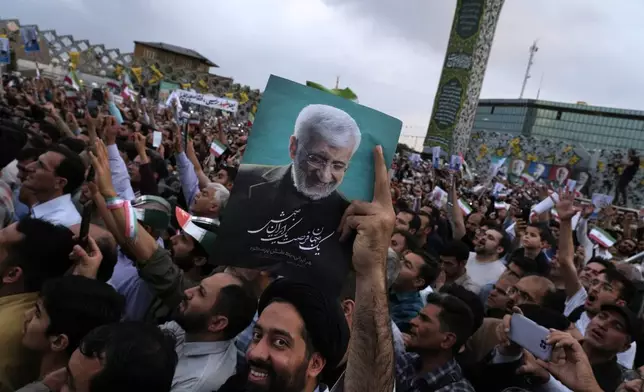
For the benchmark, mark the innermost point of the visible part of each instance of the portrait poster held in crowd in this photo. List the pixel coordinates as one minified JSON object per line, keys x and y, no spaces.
{"x":309,"y":155}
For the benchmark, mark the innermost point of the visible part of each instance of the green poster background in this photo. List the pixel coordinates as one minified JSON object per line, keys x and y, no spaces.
{"x":455,"y":76}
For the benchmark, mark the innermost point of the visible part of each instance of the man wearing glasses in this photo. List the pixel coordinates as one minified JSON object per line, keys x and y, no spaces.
{"x":289,"y":214}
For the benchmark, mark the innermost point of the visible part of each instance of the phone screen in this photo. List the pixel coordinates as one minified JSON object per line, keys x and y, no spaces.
{"x":92,"y":107}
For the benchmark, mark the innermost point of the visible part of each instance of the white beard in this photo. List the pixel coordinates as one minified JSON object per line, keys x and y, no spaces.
{"x":299,"y":180}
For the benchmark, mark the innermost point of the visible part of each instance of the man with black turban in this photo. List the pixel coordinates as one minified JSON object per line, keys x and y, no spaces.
{"x":299,"y":333}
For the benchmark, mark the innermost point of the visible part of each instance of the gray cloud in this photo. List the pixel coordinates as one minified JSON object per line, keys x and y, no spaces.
{"x":390,"y":53}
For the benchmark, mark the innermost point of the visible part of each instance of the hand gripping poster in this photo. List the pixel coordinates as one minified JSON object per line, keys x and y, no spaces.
{"x":309,"y":154}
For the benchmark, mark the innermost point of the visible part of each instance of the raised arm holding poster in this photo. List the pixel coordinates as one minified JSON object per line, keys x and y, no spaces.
{"x":309,"y":154}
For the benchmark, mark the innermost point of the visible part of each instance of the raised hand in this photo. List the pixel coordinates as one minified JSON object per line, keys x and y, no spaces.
{"x":110,"y":130}
{"x":373,"y":222}
{"x":101,"y":164}
{"x":87,"y":262}
{"x":570,"y":364}
{"x":531,"y":367}
{"x":566,"y":205}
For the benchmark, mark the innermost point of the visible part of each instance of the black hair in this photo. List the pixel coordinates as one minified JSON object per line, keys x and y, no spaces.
{"x":554,"y":300}
{"x":50,"y":130}
{"x":429,"y":270}
{"x":42,"y":254}
{"x":71,"y":168}
{"x":455,"y":316}
{"x":135,"y":356}
{"x":528,"y":266}
{"x":599,"y":260}
{"x":110,"y":257}
{"x":414,"y":223}
{"x":231,"y":172}
{"x":29,"y":153}
{"x":158,"y":165}
{"x":75,"y":145}
{"x":628,"y":291}
{"x":457,"y":249}
{"x":472,"y":300}
{"x":76,"y":305}
{"x":238,"y":305}
{"x":410,"y":240}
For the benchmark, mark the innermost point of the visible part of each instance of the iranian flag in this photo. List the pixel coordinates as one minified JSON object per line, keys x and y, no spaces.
{"x":465,"y":207}
{"x":217,"y":148}
{"x":72,"y":80}
{"x":601,"y":237}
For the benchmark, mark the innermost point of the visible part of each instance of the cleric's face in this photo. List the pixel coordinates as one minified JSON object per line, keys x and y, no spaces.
{"x":562,"y":173}
{"x":583,"y":178}
{"x":318,"y":167}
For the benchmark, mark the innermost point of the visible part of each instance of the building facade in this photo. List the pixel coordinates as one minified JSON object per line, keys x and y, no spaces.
{"x":173,"y":55}
{"x":592,"y":127}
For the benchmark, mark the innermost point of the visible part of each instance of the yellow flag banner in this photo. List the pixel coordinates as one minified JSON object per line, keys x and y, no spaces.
{"x":138,"y":74}
{"x":185,"y":85}
{"x":118,"y":69}
{"x":156,"y":71}
{"x":203,"y":84}
{"x":230,"y":95}
{"x":243,"y":98}
{"x":153,"y":80}
{"x":74,"y":58}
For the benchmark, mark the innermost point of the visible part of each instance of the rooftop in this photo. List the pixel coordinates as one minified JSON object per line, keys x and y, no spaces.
{"x":579,"y":107}
{"x":178,"y":50}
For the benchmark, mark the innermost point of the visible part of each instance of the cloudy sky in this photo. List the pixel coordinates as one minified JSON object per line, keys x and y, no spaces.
{"x":389,"y":52}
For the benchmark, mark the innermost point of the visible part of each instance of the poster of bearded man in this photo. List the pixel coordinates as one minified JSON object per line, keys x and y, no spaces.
{"x":309,"y":154}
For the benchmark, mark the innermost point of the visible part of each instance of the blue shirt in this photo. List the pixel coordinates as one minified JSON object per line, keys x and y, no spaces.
{"x":20,"y":209}
{"x":403,"y":307}
{"x":127,"y":282}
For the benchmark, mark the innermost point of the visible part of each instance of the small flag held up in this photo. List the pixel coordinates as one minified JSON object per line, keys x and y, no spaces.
{"x":217,"y":148}
{"x":601,"y":237}
{"x":465,"y":207}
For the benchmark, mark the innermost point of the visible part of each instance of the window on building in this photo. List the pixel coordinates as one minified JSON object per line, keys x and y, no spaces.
{"x":149,"y":54}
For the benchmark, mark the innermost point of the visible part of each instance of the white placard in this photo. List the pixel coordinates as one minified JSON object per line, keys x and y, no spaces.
{"x":207,"y":100}
{"x":157,"y":137}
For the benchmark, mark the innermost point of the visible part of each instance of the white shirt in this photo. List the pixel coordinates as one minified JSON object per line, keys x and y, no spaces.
{"x":59,"y":211}
{"x":625,"y":358}
{"x":203,"y":366}
{"x":424,"y":292}
{"x":484,"y":273}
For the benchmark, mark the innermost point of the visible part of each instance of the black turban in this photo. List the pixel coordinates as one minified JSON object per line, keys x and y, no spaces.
{"x":323,"y":317}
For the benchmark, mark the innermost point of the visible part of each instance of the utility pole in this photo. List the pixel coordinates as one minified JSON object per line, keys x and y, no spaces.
{"x":337,"y":82}
{"x":533,"y":49}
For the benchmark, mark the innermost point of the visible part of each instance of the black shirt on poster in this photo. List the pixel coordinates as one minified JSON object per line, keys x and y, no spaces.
{"x":268,"y":224}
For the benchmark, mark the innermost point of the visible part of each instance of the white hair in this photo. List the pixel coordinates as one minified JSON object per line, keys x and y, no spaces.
{"x":333,"y":125}
{"x":222,"y":194}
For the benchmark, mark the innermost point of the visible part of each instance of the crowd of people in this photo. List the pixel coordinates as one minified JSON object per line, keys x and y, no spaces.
{"x":140,"y":304}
